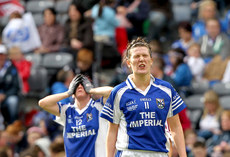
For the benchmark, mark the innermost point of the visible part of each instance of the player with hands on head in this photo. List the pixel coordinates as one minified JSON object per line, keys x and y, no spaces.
{"x":84,"y":131}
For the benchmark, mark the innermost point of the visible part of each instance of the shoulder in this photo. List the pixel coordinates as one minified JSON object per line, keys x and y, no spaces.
{"x":119,"y":87}
{"x":162,"y":83}
{"x":97,"y":104}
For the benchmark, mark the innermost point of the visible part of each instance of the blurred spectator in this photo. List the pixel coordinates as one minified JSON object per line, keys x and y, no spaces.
{"x":121,"y":17}
{"x":214,"y":42}
{"x":207,"y":10}
{"x":226,"y":23}
{"x":86,"y":4}
{"x":57,"y":149}
{"x":16,"y":136}
{"x":155,"y":46}
{"x":78,"y":30}
{"x":209,"y":121}
{"x":105,"y":21}
{"x":45,"y":121}
{"x":22,"y":32}
{"x":185,"y":33}
{"x":44,"y":144}
{"x":23,"y":66}
{"x":121,"y":72}
{"x":11,"y":137}
{"x":9,"y":87}
{"x":220,"y":143}
{"x":136,"y":11}
{"x":190,"y":138}
{"x":199,"y":150}
{"x":33,"y":151}
{"x":84,"y":63}
{"x":215,"y":69}
{"x":181,"y":73}
{"x":5,"y":152}
{"x":51,"y":33}
{"x":159,"y":15}
{"x":195,"y":62}
{"x":157,"y":71}
{"x":64,"y":77}
{"x":34,"y":133}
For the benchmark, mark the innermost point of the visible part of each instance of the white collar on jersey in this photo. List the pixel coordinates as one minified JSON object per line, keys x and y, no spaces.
{"x":86,"y":106}
{"x":131,"y":84}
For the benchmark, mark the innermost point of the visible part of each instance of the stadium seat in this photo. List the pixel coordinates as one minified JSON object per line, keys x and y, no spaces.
{"x":4,"y":20}
{"x":181,"y":13}
{"x":181,"y":1}
{"x":38,"y":82}
{"x":38,"y":19}
{"x":62,"y":6}
{"x":38,"y":6}
{"x":23,"y":3}
{"x":194,"y":102}
{"x":199,"y":87}
{"x":194,"y":116}
{"x":222,"y":88}
{"x":194,"y":107}
{"x":225,"y":102}
{"x":57,"y":60}
{"x":62,"y":18}
{"x":35,"y":59}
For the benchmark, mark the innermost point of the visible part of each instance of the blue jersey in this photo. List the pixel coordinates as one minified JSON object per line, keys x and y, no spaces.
{"x":141,"y":115}
{"x":84,"y":131}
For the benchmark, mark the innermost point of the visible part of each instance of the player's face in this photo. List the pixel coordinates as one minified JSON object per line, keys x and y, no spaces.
{"x":140,"y":60}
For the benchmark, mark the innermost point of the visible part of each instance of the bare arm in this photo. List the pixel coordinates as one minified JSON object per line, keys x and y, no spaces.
{"x":177,"y":134}
{"x":49,"y":103}
{"x":111,"y":139}
{"x":102,"y":91}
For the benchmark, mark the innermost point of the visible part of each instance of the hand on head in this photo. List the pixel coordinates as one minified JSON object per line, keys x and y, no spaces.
{"x":79,"y":79}
{"x":86,"y":84}
{"x":74,"y":84}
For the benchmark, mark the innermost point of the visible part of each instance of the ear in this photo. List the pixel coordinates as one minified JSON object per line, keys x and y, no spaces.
{"x":128,"y":63}
{"x":152,"y":61}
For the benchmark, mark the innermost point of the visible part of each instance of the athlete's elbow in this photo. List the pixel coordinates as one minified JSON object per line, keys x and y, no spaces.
{"x":41,"y":103}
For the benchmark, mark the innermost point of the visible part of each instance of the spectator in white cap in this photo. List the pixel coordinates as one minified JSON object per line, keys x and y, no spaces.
{"x":9,"y":87}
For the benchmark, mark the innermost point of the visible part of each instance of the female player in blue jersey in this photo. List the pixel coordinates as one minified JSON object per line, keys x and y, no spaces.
{"x":84,"y":131}
{"x":138,"y":108}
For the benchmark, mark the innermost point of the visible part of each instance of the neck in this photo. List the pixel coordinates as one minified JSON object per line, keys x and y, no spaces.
{"x":159,"y":75}
{"x":141,"y":81}
{"x":81,"y":103}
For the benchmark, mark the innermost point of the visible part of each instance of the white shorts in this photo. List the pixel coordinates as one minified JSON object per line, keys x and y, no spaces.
{"x":132,"y":153}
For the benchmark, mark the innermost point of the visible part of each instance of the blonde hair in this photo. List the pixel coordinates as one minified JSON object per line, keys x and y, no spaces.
{"x":139,"y":42}
{"x":211,"y":97}
{"x":194,"y":45}
{"x":204,"y":4}
{"x":226,"y":113}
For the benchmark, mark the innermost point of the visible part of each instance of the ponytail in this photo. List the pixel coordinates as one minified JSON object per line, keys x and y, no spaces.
{"x":101,"y":6}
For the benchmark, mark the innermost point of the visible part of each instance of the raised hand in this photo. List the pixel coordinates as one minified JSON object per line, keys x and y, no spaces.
{"x":74,"y":84}
{"x":86,"y":84}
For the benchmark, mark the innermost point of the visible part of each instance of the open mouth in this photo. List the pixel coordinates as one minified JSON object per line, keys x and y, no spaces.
{"x":142,"y":65}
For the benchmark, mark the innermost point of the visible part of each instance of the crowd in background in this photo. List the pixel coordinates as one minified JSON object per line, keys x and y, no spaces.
{"x":187,"y":53}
